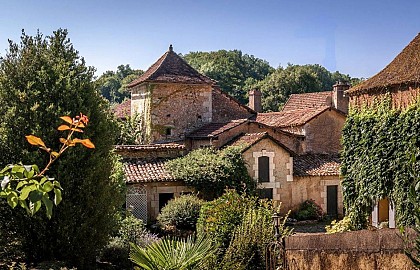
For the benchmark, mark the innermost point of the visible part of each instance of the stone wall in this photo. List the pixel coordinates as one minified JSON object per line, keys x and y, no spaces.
{"x":225,"y":108}
{"x":363,"y":250}
{"x":323,"y":133}
{"x":401,"y":97}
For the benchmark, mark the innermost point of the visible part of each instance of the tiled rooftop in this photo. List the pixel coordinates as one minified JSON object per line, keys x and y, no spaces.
{"x":316,"y":165}
{"x":290,"y":118}
{"x":123,"y":110}
{"x":308,"y":100}
{"x":248,"y":139}
{"x":145,"y":147}
{"x":142,"y":171}
{"x":171,"y":68}
{"x":214,"y":129}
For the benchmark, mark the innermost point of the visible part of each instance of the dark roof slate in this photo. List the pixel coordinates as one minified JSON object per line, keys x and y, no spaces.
{"x":171,"y":68}
{"x":316,"y":165}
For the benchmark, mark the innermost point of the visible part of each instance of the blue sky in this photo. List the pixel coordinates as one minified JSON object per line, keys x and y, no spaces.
{"x":355,"y":37}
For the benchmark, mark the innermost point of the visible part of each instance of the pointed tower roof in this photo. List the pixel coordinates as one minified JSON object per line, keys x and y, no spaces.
{"x":404,"y":69}
{"x":171,"y":68}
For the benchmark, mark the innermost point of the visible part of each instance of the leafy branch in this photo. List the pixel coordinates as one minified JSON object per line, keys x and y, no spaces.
{"x":27,"y":186}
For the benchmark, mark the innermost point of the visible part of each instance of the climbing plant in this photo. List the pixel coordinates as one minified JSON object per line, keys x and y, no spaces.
{"x":378,"y":143}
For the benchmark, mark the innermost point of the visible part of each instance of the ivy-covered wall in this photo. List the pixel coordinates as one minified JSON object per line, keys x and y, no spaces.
{"x":379,"y":144}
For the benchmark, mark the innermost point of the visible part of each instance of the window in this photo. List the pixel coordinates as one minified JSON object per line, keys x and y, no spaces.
{"x":265,"y":193}
{"x":164,"y":198}
{"x":263,"y":169}
{"x":168,"y":131}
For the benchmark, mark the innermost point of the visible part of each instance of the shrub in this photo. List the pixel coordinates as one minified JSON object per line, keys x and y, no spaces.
{"x":211,"y":171}
{"x":132,"y":230}
{"x":247,"y":248}
{"x":343,"y":225}
{"x":181,"y":213}
{"x":173,"y":253}
{"x":309,"y":210}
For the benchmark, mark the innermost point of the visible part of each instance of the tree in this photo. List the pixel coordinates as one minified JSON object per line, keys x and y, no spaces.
{"x":113,"y":85}
{"x":277,"y":87}
{"x":233,"y":70}
{"x":210,"y":171}
{"x":42,"y":78}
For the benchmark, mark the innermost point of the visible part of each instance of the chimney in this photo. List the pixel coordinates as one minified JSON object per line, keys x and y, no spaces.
{"x":339,"y":100}
{"x":255,"y":100}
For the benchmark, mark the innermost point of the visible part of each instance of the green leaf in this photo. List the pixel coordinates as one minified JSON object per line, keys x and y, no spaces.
{"x":12,"y":199}
{"x":34,"y":207}
{"x":35,"y":196}
{"x":48,"y":186}
{"x":48,"y":205}
{"x":21,"y":184}
{"x":57,"y":184}
{"x":18,"y":169}
{"x":24,"y":205}
{"x":24,"y":193}
{"x":57,"y":197}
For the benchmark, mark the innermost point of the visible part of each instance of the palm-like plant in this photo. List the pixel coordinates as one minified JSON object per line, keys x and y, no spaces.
{"x":173,"y":253}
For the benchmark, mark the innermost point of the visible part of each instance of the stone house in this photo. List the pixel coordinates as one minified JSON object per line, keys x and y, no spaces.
{"x":399,"y":80}
{"x":292,"y":154}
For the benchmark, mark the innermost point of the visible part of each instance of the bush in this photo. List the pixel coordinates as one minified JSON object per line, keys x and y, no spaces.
{"x":343,"y":225}
{"x":211,"y":171}
{"x":181,"y":213}
{"x":308,"y":210}
{"x":247,"y":249}
{"x":132,"y":230}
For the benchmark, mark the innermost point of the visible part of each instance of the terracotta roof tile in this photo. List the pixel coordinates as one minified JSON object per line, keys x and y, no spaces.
{"x":308,"y":100}
{"x":248,"y":139}
{"x":171,"y":68}
{"x":290,"y":118}
{"x":404,"y":69}
{"x":123,"y":110}
{"x":214,"y":129}
{"x":142,"y":171}
{"x":316,"y":165}
{"x":145,"y":147}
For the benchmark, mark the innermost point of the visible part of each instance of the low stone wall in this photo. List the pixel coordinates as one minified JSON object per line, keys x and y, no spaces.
{"x":364,"y":250}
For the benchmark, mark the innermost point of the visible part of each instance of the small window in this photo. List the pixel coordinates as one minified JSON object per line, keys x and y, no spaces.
{"x":265,"y":193}
{"x":168,"y":131}
{"x":164,"y":198}
{"x":263,"y":169}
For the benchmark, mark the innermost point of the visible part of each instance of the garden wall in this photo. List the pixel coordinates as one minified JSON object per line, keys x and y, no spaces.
{"x":373,"y":250}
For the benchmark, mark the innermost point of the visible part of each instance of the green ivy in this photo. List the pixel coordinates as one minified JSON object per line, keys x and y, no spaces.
{"x":378,"y":143}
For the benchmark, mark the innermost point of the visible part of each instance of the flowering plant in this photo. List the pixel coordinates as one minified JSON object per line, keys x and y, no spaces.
{"x":29,"y":187}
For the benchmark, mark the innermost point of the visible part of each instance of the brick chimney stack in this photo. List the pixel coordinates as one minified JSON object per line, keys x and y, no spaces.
{"x":339,"y":100}
{"x":255,"y":100}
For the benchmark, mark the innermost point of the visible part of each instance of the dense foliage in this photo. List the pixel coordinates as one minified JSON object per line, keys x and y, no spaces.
{"x":131,"y":230}
{"x":131,"y":130}
{"x":241,"y":226}
{"x":180,"y":214}
{"x":113,"y":84}
{"x":173,"y":253}
{"x":210,"y":171}
{"x":378,"y":145}
{"x":296,"y":79}
{"x":308,"y":210}
{"x":235,"y":72}
{"x":42,"y":78}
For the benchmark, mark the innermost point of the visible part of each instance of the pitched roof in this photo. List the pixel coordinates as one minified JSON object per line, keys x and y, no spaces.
{"x":316,"y":165}
{"x":142,"y":171}
{"x":123,"y":109}
{"x":308,"y":100}
{"x":171,"y":68}
{"x":290,"y":118}
{"x":145,"y":147}
{"x":404,"y":69}
{"x":249,"y":139}
{"x":214,"y":129}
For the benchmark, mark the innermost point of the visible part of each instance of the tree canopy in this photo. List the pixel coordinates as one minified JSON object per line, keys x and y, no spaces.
{"x":277,"y":87}
{"x":234,"y":71}
{"x":41,"y":79}
{"x":113,"y":84}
